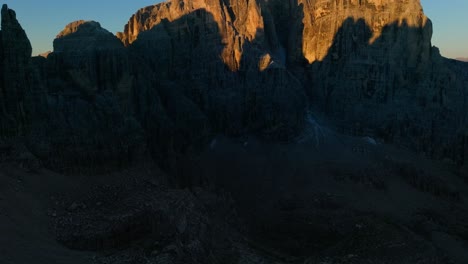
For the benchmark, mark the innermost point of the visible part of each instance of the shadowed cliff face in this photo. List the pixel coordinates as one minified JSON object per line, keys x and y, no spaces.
{"x":106,"y":103}
{"x":189,"y":52}
{"x":395,"y":87}
{"x":15,"y":74}
{"x":369,"y":65}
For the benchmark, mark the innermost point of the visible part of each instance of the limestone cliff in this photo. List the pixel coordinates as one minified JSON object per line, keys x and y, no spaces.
{"x":367,"y":64}
{"x":219,"y":53}
{"x":15,"y":74}
{"x":105,"y":106}
{"x":304,"y":29}
{"x":233,"y":22}
{"x":323,"y":20}
{"x":379,"y":75}
{"x":185,"y":69}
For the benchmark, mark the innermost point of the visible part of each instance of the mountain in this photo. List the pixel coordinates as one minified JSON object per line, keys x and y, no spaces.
{"x":367,"y":65}
{"x":15,"y":80}
{"x":239,"y":131}
{"x":255,"y":67}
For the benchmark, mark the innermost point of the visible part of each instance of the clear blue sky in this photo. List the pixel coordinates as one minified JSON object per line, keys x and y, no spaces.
{"x":43,"y":19}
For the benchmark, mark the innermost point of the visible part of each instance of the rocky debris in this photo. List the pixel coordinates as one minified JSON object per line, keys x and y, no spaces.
{"x":308,"y":201}
{"x":14,"y":151}
{"x":6,"y":150}
{"x":152,"y":223}
{"x":428,"y":182}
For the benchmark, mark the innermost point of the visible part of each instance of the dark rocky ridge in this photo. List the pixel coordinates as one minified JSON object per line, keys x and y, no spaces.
{"x":164,"y":94}
{"x":16,"y":74}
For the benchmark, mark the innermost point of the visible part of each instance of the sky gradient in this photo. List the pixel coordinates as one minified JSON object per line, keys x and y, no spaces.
{"x":44,"y":19}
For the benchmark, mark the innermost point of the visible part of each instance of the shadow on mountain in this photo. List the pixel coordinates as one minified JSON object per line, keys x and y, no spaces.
{"x":187,"y":54}
{"x":398,"y":89}
{"x":167,"y":94}
{"x":338,"y":195}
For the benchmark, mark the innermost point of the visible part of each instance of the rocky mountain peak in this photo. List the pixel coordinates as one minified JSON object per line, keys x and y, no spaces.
{"x":10,"y":25}
{"x":85,"y":35}
{"x":82,"y":26}
{"x":297,"y":30}
{"x":231,"y":23}
{"x":323,"y":18}
{"x":15,"y":75}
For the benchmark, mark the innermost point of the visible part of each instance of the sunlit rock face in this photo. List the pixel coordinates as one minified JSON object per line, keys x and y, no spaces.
{"x":322,"y":19}
{"x":223,"y":56}
{"x":367,"y":64}
{"x":294,"y":31}
{"x":232,"y":22}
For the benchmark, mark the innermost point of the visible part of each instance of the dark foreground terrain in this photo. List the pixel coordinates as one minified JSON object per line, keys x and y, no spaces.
{"x":336,"y":200}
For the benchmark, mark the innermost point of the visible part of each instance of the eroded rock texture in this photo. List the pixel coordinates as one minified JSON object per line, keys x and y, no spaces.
{"x":381,"y":76}
{"x":15,"y":74}
{"x":324,"y":19}
{"x":368,"y":65}
{"x":86,"y":119}
{"x":184,"y":70}
{"x":219,"y":54}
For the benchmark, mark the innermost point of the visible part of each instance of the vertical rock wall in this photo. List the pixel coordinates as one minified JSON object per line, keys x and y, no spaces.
{"x":16,"y":76}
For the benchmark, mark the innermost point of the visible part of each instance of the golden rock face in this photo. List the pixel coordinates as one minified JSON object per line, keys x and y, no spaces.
{"x":70,"y":28}
{"x":237,"y":20}
{"x":323,"y":18}
{"x":309,"y":26}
